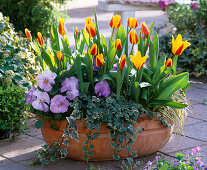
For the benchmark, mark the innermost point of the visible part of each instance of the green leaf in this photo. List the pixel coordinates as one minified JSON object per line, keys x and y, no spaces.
{"x":63,"y":153}
{"x":39,"y":123}
{"x":156,"y":45}
{"x":77,"y":65}
{"x":164,"y":167}
{"x":85,"y":36}
{"x":107,"y":77}
{"x":170,"y":86}
{"x":152,"y":57}
{"x":49,"y":60}
{"x":174,"y":65}
{"x":17,"y":78}
{"x":168,"y":103}
{"x":37,"y":50}
{"x":65,"y":142}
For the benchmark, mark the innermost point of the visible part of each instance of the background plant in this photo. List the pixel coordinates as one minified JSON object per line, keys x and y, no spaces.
{"x":36,"y":15}
{"x":12,"y":116}
{"x":17,"y":59}
{"x":192,"y":24}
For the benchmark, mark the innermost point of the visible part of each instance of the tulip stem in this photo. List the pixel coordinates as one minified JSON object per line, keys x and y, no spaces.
{"x":131,"y":52}
{"x":138,"y":75}
{"x":112,"y":33}
{"x":129,"y":32}
{"x":114,"y":58}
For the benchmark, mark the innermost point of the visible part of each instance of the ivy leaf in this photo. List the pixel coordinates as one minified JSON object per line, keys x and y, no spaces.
{"x":65,"y":142}
{"x":39,"y":123}
{"x":66,"y":132}
{"x":72,"y":123}
{"x":95,"y":135}
{"x":63,"y":153}
{"x":74,"y":135}
{"x":17,"y":78}
{"x":134,"y":154}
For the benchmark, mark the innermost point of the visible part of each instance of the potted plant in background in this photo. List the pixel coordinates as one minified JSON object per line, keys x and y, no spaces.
{"x":104,"y":98}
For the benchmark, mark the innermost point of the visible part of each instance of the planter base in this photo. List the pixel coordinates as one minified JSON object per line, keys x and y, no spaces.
{"x":153,"y":138}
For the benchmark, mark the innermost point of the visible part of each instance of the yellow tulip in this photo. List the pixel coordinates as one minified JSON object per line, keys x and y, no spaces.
{"x":61,"y":27}
{"x":28,"y":34}
{"x":132,"y":22}
{"x":178,"y":46}
{"x":145,"y":30}
{"x":90,"y":27}
{"x":99,"y":60}
{"x":115,"y":21}
{"x":40,"y":39}
{"x":59,"y":56}
{"x":138,"y":61}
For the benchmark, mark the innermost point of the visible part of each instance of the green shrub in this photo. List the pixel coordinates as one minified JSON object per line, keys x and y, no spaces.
{"x":12,"y":104}
{"x":192,"y":24}
{"x":17,"y":61}
{"x":36,"y":15}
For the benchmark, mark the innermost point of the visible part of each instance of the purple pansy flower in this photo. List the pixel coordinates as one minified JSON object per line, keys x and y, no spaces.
{"x":29,"y":95}
{"x":68,"y":66}
{"x":198,"y":148}
{"x":45,"y":80}
{"x":149,"y":164}
{"x":40,"y":102}
{"x":205,"y":168}
{"x":71,"y":86}
{"x":175,"y":163}
{"x":157,"y":158}
{"x":59,"y":104}
{"x":114,"y":68}
{"x":194,"y":6}
{"x":102,"y":88}
{"x":199,"y":163}
{"x":95,"y":68}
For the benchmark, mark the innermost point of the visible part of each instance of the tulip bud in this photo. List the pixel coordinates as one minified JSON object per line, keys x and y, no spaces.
{"x":145,"y":30}
{"x":133,"y":38}
{"x":168,"y":63}
{"x":76,"y":31}
{"x":61,"y":27}
{"x":93,"y":50}
{"x":132,"y":23}
{"x":122,"y":62}
{"x":90,"y":27}
{"x":27,"y":32}
{"x":118,"y":45}
{"x":99,"y":60}
{"x":115,"y":21}
{"x":59,"y":56}
{"x":40,"y":39}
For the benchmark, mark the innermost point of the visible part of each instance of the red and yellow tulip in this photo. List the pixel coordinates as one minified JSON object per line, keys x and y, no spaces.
{"x":138,"y":61}
{"x":40,"y":39}
{"x":93,"y":50}
{"x":118,"y":45}
{"x":28,"y":34}
{"x":168,"y":63}
{"x":132,"y":22}
{"x":115,"y":21}
{"x":145,"y":30}
{"x":99,"y":60}
{"x":76,"y":31}
{"x":133,"y":38}
{"x":90,"y":27}
{"x":178,"y":46}
{"x":61,"y":27}
{"x":122,"y":62}
{"x":59,"y":56}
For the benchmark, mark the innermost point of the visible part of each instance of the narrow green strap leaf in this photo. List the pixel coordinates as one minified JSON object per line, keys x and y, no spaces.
{"x":152,"y":57}
{"x":174,"y":66}
{"x":168,"y":103}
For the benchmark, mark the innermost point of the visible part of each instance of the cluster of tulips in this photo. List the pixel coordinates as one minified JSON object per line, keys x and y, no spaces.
{"x":111,"y":66}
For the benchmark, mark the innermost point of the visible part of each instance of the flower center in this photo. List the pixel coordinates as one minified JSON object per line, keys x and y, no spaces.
{"x":101,"y":90}
{"x":41,"y":101}
{"x":45,"y":81}
{"x":69,"y":88}
{"x":60,"y":104}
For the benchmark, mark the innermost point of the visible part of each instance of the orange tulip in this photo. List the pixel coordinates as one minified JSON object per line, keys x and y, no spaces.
{"x":61,"y":27}
{"x":118,"y":45}
{"x":90,"y":27}
{"x":59,"y":56}
{"x":133,"y":38}
{"x":93,"y":50}
{"x":168,"y":63}
{"x":27,"y":32}
{"x":122,"y":62}
{"x":76,"y":31}
{"x":99,"y":60}
{"x":145,"y":30}
{"x":132,"y":22}
{"x":40,"y":39}
{"x":138,"y":61}
{"x":178,"y":46}
{"x":115,"y":21}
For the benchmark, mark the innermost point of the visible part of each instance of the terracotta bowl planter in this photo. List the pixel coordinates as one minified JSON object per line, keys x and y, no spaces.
{"x":154,"y":137}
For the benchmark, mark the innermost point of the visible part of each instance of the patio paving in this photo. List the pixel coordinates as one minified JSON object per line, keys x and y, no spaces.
{"x":18,"y":154}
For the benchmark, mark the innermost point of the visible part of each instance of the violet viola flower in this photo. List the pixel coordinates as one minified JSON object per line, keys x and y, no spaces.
{"x":198,"y":149}
{"x":175,"y":163}
{"x":59,"y":104}
{"x":193,"y":151}
{"x":45,"y":80}
{"x":68,"y":66}
{"x":199,"y":164}
{"x":194,"y":6}
{"x":205,"y":168}
{"x":95,"y":68}
{"x":29,"y":95}
{"x":102,"y":88}
{"x":114,"y":68}
{"x":149,"y":164}
{"x":40,"y":102}
{"x":71,"y":86}
{"x":157,"y":158}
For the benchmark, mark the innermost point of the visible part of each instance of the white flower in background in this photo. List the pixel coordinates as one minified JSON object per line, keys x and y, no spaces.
{"x":3,"y":40}
{"x":9,"y":74}
{"x":1,"y":16}
{"x":18,"y":56}
{"x":6,"y":53}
